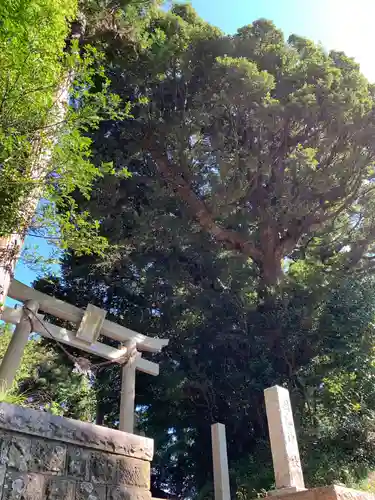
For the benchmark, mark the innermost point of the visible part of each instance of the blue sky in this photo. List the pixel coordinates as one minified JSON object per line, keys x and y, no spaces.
{"x":39,"y":246}
{"x":337,"y":24}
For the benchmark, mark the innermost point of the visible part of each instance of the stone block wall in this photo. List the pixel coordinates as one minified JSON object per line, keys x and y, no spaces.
{"x":45,"y":457}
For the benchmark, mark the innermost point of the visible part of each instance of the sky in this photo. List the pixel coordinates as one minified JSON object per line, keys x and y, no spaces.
{"x":338,"y":24}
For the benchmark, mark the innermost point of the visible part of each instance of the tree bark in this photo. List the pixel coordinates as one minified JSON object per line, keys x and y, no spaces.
{"x":9,"y":253}
{"x":11,"y":245}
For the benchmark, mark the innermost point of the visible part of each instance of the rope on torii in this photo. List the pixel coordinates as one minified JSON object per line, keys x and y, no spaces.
{"x":81,"y":364}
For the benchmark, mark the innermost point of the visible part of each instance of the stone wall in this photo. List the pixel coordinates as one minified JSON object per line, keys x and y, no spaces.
{"x":47,"y":457}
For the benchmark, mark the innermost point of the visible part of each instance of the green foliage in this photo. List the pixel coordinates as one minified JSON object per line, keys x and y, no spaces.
{"x":32,"y":40}
{"x":44,"y":148}
{"x":263,"y":144}
{"x":45,"y":380}
{"x":7,"y":395}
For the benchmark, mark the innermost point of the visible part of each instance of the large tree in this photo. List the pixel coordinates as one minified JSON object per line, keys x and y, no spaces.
{"x":36,"y":78}
{"x":52,"y":90}
{"x":258,"y":142}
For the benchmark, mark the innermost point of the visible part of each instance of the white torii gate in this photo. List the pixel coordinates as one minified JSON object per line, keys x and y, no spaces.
{"x":91,"y":323}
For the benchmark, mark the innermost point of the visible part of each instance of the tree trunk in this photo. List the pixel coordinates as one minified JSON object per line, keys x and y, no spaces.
{"x":271,"y":270}
{"x":100,"y":413}
{"x":270,"y":264}
{"x":11,"y":245}
{"x":9,"y":252}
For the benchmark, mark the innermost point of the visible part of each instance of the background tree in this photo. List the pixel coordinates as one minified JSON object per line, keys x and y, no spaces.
{"x":52,"y":90}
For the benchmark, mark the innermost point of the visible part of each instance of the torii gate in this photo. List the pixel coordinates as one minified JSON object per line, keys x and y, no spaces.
{"x":91,"y":323}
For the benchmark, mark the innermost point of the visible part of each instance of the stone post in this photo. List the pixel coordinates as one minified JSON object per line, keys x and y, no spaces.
{"x":128,"y":390}
{"x":220,"y":462}
{"x":284,"y":446}
{"x":13,"y":356}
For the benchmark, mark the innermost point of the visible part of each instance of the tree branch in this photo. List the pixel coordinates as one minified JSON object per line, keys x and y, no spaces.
{"x":231,"y":239}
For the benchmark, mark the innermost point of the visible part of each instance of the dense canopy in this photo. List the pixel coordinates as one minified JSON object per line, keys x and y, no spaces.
{"x":262,"y":145}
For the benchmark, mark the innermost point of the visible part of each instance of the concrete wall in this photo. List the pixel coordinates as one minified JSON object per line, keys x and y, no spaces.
{"x":47,"y":457}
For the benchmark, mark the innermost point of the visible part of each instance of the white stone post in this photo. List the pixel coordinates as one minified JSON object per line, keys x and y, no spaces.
{"x":220,"y":462}
{"x":13,"y":356}
{"x":284,"y":446}
{"x":128,"y":390}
